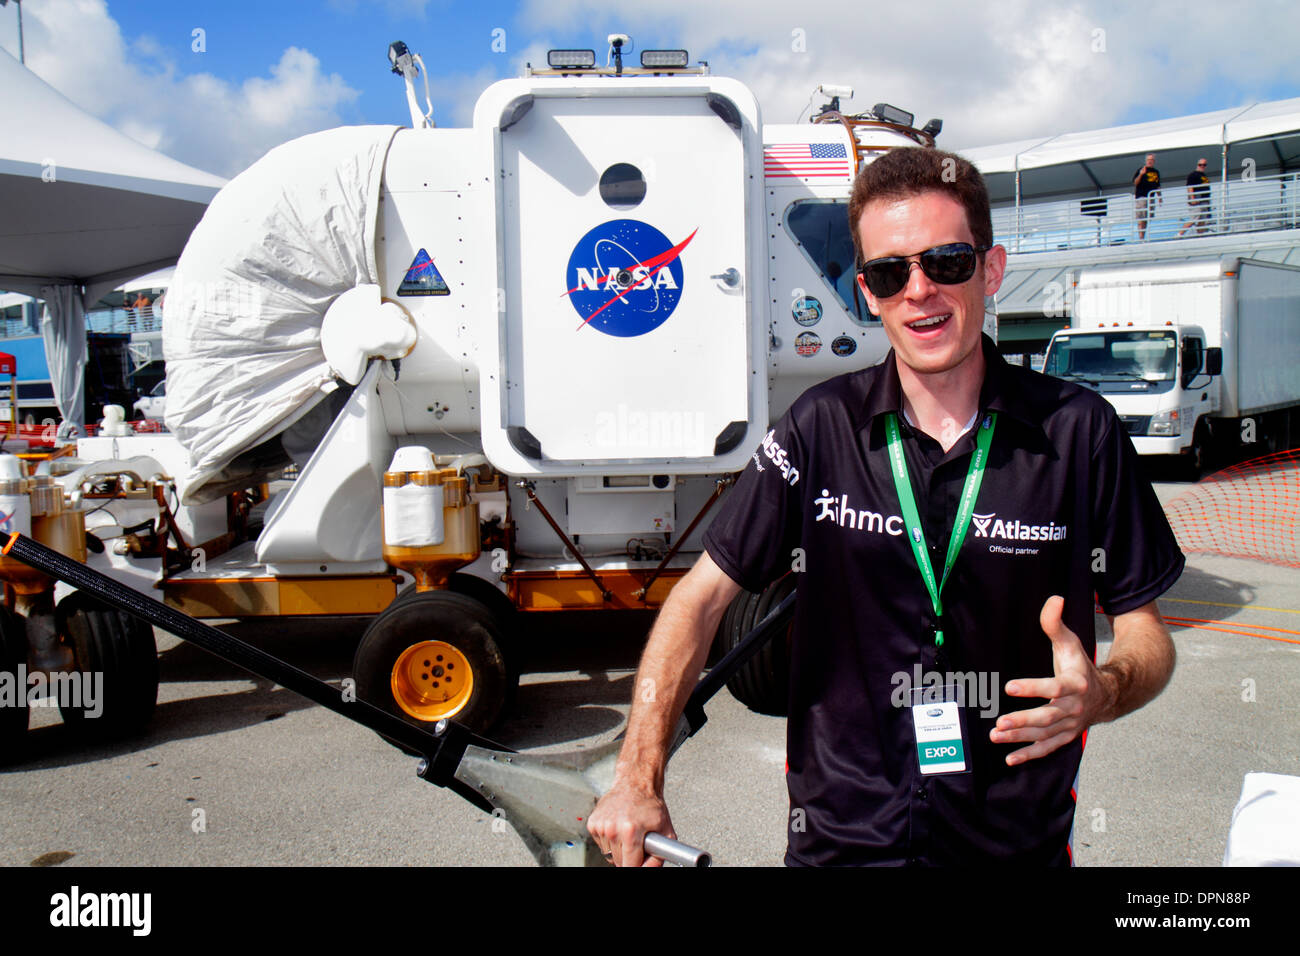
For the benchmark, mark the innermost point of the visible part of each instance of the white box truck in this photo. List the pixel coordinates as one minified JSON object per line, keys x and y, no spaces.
{"x":1191,"y":354}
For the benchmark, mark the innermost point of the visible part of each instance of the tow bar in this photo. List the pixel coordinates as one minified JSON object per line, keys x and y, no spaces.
{"x":547,"y":798}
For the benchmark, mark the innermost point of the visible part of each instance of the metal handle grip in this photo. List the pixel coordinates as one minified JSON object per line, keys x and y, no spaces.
{"x":671,"y":851}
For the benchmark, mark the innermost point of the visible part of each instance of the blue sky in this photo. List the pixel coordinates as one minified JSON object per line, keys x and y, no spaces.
{"x":273,"y":70}
{"x":243,"y":37}
{"x":351,"y":37}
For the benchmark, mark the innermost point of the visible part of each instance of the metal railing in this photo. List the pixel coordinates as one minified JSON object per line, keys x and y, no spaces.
{"x":17,"y":328}
{"x":97,"y":320}
{"x":124,"y":320}
{"x":1256,"y":205}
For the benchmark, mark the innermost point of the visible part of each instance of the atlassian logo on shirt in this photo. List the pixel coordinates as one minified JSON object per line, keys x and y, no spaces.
{"x":777,"y":455}
{"x":837,"y":510}
{"x":1016,"y":530}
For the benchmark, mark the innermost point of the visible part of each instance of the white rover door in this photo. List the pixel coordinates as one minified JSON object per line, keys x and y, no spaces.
{"x":620,"y":344}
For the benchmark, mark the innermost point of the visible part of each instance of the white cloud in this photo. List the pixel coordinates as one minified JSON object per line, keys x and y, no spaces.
{"x":1010,"y":70}
{"x":1025,"y":68}
{"x":461,"y":92}
{"x":77,"y":47}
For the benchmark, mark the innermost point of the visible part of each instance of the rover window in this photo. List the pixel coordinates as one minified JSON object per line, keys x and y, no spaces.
{"x":622,"y":186}
{"x":821,"y":228}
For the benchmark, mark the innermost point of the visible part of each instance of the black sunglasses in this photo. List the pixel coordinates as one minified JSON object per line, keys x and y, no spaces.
{"x":949,"y":264}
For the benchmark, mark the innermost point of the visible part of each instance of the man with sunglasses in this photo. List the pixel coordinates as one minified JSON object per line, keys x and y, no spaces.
{"x":955,"y":517}
{"x":1198,"y":199}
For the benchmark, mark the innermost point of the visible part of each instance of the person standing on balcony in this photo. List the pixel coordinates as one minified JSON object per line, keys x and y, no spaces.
{"x":144,"y":306}
{"x":1198,"y":199}
{"x":1145,"y":182}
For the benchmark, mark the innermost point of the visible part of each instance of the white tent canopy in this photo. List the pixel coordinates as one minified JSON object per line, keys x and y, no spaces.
{"x":1104,"y":160}
{"x":157,"y":279}
{"x":85,"y":207}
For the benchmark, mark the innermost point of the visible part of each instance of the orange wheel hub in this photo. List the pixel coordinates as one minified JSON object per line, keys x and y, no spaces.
{"x":432,"y":680}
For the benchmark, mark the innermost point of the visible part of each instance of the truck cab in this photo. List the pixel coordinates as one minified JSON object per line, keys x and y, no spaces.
{"x":1163,"y":380}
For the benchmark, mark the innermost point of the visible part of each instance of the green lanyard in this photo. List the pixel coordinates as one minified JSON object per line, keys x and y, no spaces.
{"x":969,"y":491}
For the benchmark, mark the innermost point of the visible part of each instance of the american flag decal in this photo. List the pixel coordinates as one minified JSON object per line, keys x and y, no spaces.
{"x":806,"y":161}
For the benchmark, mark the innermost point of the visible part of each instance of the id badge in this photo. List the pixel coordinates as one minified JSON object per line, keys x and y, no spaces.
{"x":940,"y":737}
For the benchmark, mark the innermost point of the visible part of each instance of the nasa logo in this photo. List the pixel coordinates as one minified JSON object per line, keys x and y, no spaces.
{"x":625,"y":277}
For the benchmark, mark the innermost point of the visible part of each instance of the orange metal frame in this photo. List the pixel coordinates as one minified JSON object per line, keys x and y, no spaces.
{"x":573,"y":590}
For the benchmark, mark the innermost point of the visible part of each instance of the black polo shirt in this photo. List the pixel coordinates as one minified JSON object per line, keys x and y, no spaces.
{"x":1199,"y":184}
{"x":1062,"y":510}
{"x":1149,"y":183}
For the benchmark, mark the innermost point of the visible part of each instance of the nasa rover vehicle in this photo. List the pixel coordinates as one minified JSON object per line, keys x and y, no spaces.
{"x":511,"y":368}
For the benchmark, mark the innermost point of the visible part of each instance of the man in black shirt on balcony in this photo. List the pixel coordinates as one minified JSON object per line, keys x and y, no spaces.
{"x":1145,"y":182}
{"x":1198,"y":199}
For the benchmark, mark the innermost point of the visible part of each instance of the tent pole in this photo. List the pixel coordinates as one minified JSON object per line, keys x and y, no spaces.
{"x":1223,"y":178}
{"x":1019,"y":221}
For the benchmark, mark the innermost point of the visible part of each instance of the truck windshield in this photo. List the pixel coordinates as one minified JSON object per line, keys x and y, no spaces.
{"x":1114,"y":356}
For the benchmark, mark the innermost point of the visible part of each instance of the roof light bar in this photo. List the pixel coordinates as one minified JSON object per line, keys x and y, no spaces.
{"x":664,"y":59}
{"x":570,"y":59}
{"x":892,"y":114}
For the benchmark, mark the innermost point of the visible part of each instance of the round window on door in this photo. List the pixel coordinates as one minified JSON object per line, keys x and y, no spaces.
{"x":622,"y":186}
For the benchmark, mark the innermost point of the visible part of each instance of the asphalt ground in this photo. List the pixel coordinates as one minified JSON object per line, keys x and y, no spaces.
{"x":233,"y":771}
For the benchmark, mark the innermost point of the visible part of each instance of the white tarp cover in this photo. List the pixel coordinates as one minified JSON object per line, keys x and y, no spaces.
{"x":241,"y":331}
{"x":1265,"y":828}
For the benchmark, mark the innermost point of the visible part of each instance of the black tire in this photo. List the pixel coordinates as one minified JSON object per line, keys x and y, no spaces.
{"x":1273,"y":426}
{"x":110,"y":642}
{"x":504,"y":614}
{"x":13,"y":717}
{"x":462,"y":622}
{"x":1194,"y":462}
{"x":487,"y":594}
{"x":763,"y":683}
{"x":481,"y":590}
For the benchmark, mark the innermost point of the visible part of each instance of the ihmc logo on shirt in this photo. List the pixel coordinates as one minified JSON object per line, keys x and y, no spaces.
{"x":838,"y":511}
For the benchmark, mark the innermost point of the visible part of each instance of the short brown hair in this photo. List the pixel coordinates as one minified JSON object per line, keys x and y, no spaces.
{"x":909,"y":171}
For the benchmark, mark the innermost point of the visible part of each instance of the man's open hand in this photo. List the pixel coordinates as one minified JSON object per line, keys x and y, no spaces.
{"x":1077,"y":696}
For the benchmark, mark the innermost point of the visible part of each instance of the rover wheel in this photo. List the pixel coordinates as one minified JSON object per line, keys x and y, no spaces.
{"x":763,"y":683}
{"x":13,"y":709}
{"x":432,"y":655}
{"x":119,"y":653}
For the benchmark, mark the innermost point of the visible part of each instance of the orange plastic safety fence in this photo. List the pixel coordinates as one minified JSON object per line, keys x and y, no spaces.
{"x":1250,"y":510}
